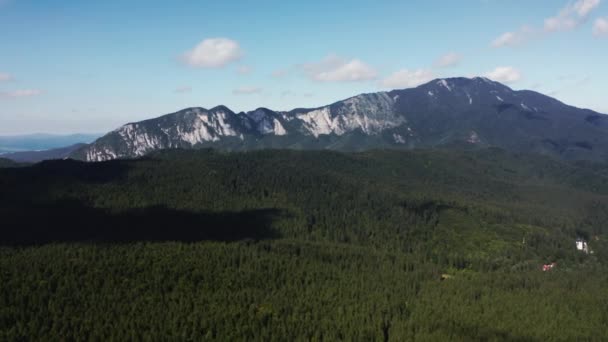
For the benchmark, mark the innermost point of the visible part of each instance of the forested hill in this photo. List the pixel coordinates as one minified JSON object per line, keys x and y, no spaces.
{"x":366,"y":198}
{"x":287,"y":245}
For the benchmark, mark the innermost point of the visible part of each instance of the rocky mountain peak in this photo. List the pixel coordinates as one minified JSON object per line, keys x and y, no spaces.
{"x":475,"y":111}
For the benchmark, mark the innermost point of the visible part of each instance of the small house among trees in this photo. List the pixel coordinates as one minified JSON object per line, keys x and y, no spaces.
{"x":549,"y":267}
{"x":581,"y":245}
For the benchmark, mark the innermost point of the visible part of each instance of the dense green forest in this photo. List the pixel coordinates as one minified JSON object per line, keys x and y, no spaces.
{"x":305,"y":245}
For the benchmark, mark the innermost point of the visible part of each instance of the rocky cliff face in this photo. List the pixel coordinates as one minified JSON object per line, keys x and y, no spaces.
{"x":473,"y":111}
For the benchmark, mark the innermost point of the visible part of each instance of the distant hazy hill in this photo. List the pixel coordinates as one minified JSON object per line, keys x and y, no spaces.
{"x":6,"y":163}
{"x":39,"y":142}
{"x":37,"y":156}
{"x":458,"y":111}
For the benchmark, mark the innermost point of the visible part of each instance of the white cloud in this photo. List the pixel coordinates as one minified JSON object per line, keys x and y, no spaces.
{"x":570,"y":17}
{"x":183,"y":89}
{"x":600,"y":27}
{"x":514,"y":38}
{"x":448,"y":60}
{"x":407,"y":78}
{"x":4,"y":77}
{"x":584,"y":7}
{"x":506,"y":39}
{"x":246,"y":90}
{"x":21,"y":93}
{"x":244,"y":70}
{"x":213,"y":53}
{"x":505,"y":74}
{"x":336,"y":69}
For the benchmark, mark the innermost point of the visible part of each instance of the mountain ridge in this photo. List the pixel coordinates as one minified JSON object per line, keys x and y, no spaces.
{"x":475,"y":111}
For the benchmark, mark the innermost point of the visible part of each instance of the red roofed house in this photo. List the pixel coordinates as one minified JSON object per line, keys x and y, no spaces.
{"x":549,"y":267}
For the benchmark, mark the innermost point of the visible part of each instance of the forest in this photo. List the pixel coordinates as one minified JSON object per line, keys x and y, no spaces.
{"x":278,"y":245}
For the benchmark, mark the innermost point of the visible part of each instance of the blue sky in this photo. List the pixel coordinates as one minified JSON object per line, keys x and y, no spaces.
{"x":90,"y":66}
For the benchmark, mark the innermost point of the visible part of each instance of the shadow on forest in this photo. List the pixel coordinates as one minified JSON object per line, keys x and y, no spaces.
{"x":70,"y":221}
{"x":26,"y":183}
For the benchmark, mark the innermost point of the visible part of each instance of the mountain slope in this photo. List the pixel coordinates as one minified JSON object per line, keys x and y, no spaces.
{"x":481,"y":111}
{"x":461,"y":111}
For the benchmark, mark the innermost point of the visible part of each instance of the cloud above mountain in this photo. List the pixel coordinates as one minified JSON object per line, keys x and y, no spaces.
{"x":568,"y":18}
{"x":334,"y":68}
{"x":213,"y":53}
{"x":405,"y":78}
{"x":600,"y":27}
{"x":448,"y":60}
{"x":514,"y":38}
{"x":571,"y":16}
{"x":504,"y":74}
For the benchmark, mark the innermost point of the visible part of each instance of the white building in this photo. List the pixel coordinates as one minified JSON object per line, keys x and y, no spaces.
{"x":582,"y":246}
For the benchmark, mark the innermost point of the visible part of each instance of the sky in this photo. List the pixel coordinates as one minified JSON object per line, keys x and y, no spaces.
{"x":70,"y":66}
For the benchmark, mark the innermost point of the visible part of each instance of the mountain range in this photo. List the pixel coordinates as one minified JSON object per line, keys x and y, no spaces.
{"x":466,"y":112}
